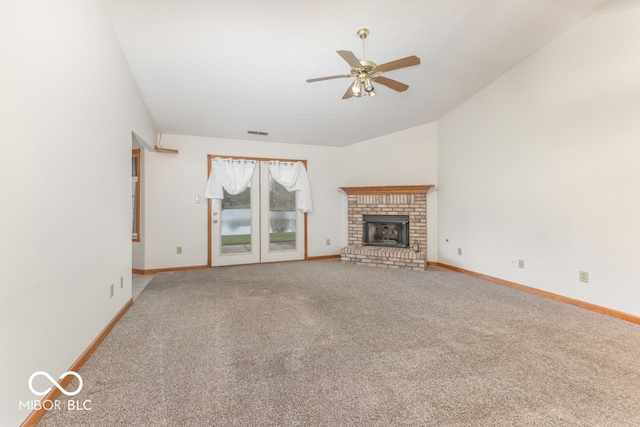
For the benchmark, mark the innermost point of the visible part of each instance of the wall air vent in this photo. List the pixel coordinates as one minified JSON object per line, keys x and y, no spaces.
{"x":255,"y":132}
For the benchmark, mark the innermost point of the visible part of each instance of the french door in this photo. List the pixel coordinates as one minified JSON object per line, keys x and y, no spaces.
{"x":261,"y":224}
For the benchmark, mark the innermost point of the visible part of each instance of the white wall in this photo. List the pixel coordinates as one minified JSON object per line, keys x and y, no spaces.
{"x":543,"y":166}
{"x":68,"y":106}
{"x":173,"y":181}
{"x":408,"y":157}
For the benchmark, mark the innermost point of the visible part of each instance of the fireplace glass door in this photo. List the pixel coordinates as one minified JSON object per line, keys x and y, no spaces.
{"x":386,"y":230}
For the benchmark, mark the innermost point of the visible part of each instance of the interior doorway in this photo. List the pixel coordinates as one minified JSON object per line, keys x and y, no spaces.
{"x":258,"y":224}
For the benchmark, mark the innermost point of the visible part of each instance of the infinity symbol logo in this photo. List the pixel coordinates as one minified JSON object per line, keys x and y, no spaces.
{"x":55,"y":383}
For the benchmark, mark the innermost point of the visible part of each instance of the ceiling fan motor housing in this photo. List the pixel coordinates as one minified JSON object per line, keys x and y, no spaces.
{"x":367,"y":67}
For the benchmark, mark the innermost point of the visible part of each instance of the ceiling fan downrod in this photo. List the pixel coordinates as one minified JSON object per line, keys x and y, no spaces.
{"x":363,"y":33}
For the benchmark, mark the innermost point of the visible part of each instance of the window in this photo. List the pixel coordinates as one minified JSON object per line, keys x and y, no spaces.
{"x":135,"y":195}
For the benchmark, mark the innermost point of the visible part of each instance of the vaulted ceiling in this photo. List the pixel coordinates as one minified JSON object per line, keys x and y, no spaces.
{"x":223,"y":68}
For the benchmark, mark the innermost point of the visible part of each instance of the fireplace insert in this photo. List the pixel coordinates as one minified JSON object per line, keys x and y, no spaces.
{"x":385,"y":230}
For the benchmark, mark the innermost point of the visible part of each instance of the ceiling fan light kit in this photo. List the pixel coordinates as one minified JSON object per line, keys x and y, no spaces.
{"x":366,"y":72}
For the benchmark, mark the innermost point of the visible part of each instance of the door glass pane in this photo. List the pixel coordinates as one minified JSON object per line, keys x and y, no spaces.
{"x":235,"y":223}
{"x":282,"y":217}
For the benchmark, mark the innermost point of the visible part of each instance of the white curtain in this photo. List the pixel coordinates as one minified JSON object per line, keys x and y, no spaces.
{"x":232,"y":175}
{"x":293,"y":177}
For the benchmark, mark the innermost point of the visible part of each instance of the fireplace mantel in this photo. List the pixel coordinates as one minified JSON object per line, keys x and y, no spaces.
{"x":390,"y":189}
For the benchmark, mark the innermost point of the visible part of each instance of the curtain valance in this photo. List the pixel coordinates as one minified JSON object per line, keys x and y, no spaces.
{"x":233,"y":175}
{"x":293,"y":177}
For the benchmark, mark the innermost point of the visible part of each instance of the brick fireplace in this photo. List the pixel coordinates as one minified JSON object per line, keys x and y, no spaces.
{"x":410,"y":200}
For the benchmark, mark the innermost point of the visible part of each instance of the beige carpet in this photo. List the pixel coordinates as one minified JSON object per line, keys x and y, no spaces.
{"x":324,"y":344}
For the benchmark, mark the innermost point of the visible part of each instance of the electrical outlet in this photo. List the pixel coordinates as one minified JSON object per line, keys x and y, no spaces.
{"x":121,"y":281}
{"x":111,"y":291}
{"x":328,"y":242}
{"x":179,"y":250}
{"x":520,"y":263}
{"x":584,"y":276}
{"x":459,"y":251}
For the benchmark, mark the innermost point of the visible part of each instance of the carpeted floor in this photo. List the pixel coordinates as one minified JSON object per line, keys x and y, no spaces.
{"x":319,"y":343}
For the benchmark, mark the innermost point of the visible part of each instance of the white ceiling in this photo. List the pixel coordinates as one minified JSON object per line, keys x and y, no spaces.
{"x":221,"y":68}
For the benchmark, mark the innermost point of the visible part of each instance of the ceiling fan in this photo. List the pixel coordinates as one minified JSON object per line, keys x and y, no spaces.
{"x":366,"y":72}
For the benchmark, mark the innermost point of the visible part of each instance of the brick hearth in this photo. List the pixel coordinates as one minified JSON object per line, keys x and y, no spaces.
{"x":397,"y":200}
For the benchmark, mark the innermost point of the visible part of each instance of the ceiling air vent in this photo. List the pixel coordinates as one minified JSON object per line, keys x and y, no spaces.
{"x":255,"y":132}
